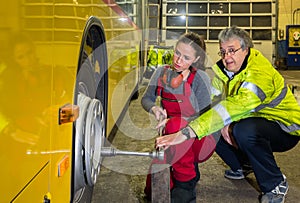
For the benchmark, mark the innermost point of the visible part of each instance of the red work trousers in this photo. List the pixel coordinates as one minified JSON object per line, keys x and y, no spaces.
{"x":182,"y":157}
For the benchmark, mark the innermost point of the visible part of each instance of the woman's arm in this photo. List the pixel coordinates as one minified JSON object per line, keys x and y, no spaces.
{"x":202,"y":90}
{"x":149,"y":96}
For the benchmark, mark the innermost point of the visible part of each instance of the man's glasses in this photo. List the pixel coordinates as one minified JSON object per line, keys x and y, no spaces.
{"x":230,"y":52}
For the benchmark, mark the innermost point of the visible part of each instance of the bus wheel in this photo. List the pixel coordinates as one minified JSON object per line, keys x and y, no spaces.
{"x":91,"y":97}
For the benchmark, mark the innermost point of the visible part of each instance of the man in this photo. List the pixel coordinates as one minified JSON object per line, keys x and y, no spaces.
{"x":256,"y":114}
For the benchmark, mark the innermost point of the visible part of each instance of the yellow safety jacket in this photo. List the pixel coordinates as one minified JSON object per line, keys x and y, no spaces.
{"x":257,"y":90}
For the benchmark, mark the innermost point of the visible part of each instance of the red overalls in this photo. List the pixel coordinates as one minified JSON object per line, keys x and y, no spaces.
{"x":183,"y":156}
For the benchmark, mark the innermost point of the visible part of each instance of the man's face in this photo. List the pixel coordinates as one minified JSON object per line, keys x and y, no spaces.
{"x":232,"y":55}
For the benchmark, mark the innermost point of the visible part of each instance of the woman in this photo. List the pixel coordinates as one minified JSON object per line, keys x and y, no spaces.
{"x":184,"y":89}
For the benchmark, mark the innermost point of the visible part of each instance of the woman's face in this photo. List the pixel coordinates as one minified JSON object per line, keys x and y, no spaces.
{"x":25,"y":56}
{"x":184,"y":56}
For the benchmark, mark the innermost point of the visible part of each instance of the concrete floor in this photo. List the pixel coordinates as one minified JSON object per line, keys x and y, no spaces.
{"x":122,"y":178}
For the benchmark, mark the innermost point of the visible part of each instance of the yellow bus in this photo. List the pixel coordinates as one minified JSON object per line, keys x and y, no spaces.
{"x":67,"y":71}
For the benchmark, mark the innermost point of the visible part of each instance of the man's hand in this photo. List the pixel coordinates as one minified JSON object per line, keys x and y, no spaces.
{"x":172,"y":139}
{"x":166,"y":141}
{"x":227,"y":135}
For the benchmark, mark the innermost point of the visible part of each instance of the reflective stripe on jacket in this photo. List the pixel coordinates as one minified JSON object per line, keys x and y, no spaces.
{"x":257,"y":90}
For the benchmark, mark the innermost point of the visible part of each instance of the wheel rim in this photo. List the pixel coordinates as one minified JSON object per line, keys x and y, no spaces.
{"x":94,"y":142}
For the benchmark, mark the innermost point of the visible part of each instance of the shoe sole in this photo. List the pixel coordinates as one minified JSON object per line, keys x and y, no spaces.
{"x":234,"y":178}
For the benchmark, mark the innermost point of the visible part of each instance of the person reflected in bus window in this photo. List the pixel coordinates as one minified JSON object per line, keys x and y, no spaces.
{"x":184,"y":89}
{"x":257,"y":115}
{"x":27,"y":86}
{"x":39,"y":88}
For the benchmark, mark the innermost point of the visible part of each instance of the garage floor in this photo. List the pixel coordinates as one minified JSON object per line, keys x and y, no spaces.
{"x":122,"y":178}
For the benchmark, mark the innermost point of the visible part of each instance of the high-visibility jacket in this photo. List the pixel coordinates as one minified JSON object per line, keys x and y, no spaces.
{"x":257,"y":90}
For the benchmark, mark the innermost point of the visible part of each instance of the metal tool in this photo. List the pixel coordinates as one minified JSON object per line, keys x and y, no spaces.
{"x":109,"y":151}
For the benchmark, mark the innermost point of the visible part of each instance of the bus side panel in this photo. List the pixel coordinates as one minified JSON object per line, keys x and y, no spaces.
{"x":35,"y":191}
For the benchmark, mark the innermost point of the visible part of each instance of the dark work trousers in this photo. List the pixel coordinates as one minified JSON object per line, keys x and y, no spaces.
{"x":257,"y":139}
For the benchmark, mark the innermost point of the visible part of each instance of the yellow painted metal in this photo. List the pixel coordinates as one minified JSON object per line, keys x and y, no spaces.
{"x":40,"y":47}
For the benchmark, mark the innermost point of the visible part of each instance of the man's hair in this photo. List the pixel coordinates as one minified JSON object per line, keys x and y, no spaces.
{"x":235,"y":32}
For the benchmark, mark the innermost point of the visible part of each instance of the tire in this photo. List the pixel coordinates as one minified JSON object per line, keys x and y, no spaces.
{"x":91,"y":97}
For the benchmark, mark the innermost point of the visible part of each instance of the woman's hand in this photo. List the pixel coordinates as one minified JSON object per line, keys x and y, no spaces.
{"x":159,"y":113}
{"x":161,"y":124}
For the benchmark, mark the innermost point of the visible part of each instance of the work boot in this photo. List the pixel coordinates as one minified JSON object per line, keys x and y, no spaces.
{"x":180,"y":195}
{"x":185,"y":192}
